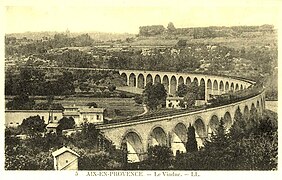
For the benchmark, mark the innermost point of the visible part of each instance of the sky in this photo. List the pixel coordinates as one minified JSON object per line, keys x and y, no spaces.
{"x":127,"y":15}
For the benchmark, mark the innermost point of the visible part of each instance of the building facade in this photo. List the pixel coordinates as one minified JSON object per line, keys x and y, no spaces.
{"x":14,"y":118}
{"x":84,"y":114}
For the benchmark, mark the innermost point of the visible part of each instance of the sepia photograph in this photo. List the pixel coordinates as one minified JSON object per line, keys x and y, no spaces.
{"x":140,"y":88}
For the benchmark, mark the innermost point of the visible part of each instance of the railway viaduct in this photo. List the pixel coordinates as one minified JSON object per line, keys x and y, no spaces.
{"x":214,"y":85}
{"x":171,"y":130}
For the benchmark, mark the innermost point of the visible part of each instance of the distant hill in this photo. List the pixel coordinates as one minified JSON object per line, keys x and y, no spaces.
{"x":97,"y":36}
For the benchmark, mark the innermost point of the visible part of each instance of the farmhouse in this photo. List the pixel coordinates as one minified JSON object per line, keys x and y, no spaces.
{"x":84,"y":114}
{"x":173,"y":102}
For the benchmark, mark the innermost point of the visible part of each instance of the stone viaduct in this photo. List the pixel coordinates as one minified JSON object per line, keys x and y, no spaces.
{"x":214,"y":85}
{"x":171,"y":130}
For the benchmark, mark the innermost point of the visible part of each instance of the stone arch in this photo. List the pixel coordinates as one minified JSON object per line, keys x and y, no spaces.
{"x":213,"y":124}
{"x":246,"y":114}
{"x":132,"y":143}
{"x":209,"y":84}
{"x":238,"y":114}
{"x":196,"y":81}
{"x":258,"y":106}
{"x":179,"y":138}
{"x":215,"y":85}
{"x":200,"y":128}
{"x":227,"y":86}
{"x":227,"y":120}
{"x":180,"y":80}
{"x":202,"y":82}
{"x":232,"y":87}
{"x":237,"y":87}
{"x":149,"y":79}
{"x":188,"y":81}
{"x":132,"y":80}
{"x":166,"y":83}
{"x":221,"y":86}
{"x":140,"y":81}
{"x":157,"y":136}
{"x":253,"y":111}
{"x":157,"y":79}
{"x":124,"y":77}
{"x":173,"y":84}
{"x":202,"y":89}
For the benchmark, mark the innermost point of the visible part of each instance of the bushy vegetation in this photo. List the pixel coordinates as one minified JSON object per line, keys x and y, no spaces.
{"x":252,"y":148}
{"x":236,"y":96}
{"x":24,"y":102}
{"x":154,"y":95}
{"x":34,"y":152}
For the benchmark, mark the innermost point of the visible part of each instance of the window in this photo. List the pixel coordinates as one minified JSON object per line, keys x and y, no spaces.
{"x":55,"y":117}
{"x":42,"y":118}
{"x":67,"y":161}
{"x":98,"y":117}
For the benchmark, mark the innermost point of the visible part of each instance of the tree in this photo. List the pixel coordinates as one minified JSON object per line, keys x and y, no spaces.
{"x":92,"y":104}
{"x":181,"y":43}
{"x":219,"y":140}
{"x":201,"y":92}
{"x":159,"y":157}
{"x":33,"y":125}
{"x":191,"y":144}
{"x":238,"y":128}
{"x":182,"y":90}
{"x":93,"y":160}
{"x":112,"y":87}
{"x":170,"y":27}
{"x":190,"y":99}
{"x":20,"y":102}
{"x":154,"y":95}
{"x":90,"y":138}
{"x":66,"y":123}
{"x":138,"y":99}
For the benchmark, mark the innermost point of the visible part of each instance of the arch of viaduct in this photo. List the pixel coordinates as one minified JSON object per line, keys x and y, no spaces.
{"x":138,"y":135}
{"x":214,"y":85}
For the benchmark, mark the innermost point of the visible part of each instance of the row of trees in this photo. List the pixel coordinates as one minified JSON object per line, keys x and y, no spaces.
{"x":202,"y":32}
{"x":38,"y":46}
{"x":23,"y":102}
{"x":32,"y":81}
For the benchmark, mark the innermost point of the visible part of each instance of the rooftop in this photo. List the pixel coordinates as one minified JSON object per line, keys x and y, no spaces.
{"x":52,"y":125}
{"x":175,"y":98}
{"x":92,"y":110}
{"x":62,"y":150}
{"x":70,"y":113}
